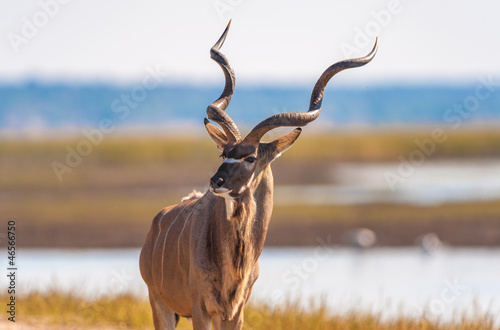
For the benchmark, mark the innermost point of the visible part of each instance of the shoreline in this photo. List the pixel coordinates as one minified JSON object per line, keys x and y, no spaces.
{"x":463,"y":233}
{"x":109,"y":197}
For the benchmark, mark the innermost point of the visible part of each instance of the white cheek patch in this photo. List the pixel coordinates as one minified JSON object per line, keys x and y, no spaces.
{"x":247,"y":185}
{"x":242,"y":189}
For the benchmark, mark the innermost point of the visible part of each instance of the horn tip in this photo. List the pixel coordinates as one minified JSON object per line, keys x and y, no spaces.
{"x":375,"y":47}
{"x":224,"y":34}
{"x":222,"y":38}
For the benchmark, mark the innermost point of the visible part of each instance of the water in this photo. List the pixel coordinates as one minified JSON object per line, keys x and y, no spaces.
{"x":390,"y":280}
{"x":431,"y":183}
{"x":31,"y":107}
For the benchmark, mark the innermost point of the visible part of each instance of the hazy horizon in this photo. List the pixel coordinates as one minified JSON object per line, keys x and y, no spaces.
{"x":38,"y":109}
{"x":270,"y":43}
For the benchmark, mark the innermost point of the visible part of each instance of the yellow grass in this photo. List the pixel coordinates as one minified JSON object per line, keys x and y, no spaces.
{"x":56,"y":309}
{"x":29,"y":163}
{"x":140,"y":207}
{"x":387,"y":213}
{"x":128,"y":180}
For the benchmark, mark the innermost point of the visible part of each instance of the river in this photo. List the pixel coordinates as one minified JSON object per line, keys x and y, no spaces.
{"x":423,"y":183}
{"x":386,"y":280}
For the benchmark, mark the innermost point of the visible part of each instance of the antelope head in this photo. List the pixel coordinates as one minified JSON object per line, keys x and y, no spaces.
{"x":244,"y":158}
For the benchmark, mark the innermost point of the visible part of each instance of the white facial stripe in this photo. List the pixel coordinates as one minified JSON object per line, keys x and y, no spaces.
{"x":232,"y":160}
{"x":239,"y":160}
{"x":224,"y":192}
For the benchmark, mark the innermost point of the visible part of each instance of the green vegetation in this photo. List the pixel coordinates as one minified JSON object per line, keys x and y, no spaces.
{"x":119,"y":162}
{"x":56,"y":309}
{"x":92,"y":207}
{"x":387,"y":146}
{"x":387,"y":213}
{"x":126,"y":181}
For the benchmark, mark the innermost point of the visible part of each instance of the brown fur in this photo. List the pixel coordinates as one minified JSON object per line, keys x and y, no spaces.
{"x":200,"y":256}
{"x":200,"y":262}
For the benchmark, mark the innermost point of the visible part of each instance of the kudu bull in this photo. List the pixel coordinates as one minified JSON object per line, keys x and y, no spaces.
{"x":200,"y":256}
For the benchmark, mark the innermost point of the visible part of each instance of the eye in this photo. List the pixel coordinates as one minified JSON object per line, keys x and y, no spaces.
{"x":250,"y":159}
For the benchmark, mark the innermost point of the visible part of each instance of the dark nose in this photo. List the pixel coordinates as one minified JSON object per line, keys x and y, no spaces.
{"x":216,"y":182}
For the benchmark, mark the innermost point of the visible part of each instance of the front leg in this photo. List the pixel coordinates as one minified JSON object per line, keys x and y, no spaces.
{"x":201,"y":319}
{"x":235,"y":324}
{"x":163,"y":317}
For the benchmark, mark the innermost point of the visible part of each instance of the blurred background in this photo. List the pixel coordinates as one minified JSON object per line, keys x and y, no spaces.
{"x":397,"y":183}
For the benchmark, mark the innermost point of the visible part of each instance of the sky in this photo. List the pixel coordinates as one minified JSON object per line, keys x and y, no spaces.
{"x":270,"y":42}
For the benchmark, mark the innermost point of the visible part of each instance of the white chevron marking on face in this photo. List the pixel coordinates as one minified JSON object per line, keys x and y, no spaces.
{"x":233,"y":160}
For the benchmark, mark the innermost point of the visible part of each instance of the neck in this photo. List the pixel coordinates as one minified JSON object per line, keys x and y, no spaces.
{"x":239,"y":227}
{"x":236,"y":244}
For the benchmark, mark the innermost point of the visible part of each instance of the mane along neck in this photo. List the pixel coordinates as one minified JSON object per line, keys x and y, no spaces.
{"x":242,"y":220}
{"x":237,"y":243}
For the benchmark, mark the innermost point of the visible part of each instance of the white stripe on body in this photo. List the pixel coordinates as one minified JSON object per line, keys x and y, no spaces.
{"x":185,"y":222}
{"x":165,"y":241}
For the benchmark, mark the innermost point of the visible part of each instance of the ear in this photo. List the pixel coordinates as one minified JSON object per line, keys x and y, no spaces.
{"x":284,"y":143}
{"x":216,"y":134}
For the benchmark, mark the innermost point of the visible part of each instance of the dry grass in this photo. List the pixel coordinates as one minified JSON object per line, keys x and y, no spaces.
{"x":62,"y":310}
{"x":387,"y":213}
{"x":56,"y":308}
{"x":141,"y":206}
{"x":29,"y":163}
{"x":127,"y":181}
